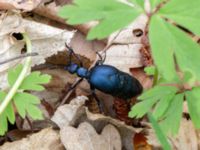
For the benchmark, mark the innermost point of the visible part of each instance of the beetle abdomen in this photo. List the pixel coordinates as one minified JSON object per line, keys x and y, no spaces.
{"x":110,"y":80}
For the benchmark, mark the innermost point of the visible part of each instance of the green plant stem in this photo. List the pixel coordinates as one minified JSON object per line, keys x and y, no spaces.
{"x":21,"y":77}
{"x":155,"y":77}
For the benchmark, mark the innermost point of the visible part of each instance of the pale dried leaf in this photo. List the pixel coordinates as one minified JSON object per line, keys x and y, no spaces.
{"x":47,"y":139}
{"x":26,"y":5}
{"x":125,"y":36}
{"x":85,"y":138}
{"x":46,"y":41}
{"x":124,"y":57}
{"x":67,"y":114}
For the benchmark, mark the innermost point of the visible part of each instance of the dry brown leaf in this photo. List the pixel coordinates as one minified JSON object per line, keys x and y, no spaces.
{"x":186,"y":139}
{"x":46,"y":41}
{"x":85,"y":137}
{"x":124,"y":57}
{"x":47,"y":139}
{"x":74,"y":113}
{"x":26,"y":5}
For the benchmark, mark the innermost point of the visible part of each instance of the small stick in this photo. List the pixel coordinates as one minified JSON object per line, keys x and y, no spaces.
{"x":18,"y":57}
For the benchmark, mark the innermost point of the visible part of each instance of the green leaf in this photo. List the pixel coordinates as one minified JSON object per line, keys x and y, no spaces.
{"x":112,"y":14}
{"x":171,"y":123}
{"x":8,"y":114}
{"x":149,"y":98}
{"x":184,"y":12}
{"x":159,"y":133}
{"x":138,"y":3}
{"x":163,"y":105}
{"x":34,"y":80}
{"x":13,"y":74}
{"x":141,"y":108}
{"x":26,"y":103}
{"x":193,"y":101}
{"x":170,"y":41}
{"x":158,"y":92}
{"x":162,"y":50}
{"x":150,"y":70}
{"x":154,"y":3}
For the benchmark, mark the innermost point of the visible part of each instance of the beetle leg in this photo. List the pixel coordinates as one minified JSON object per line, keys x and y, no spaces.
{"x":98,"y":101}
{"x":101,"y":59}
{"x":69,"y":91}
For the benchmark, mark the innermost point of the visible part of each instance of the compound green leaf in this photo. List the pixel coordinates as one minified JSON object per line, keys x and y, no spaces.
{"x":193,"y":101}
{"x":138,"y":3}
{"x":162,"y":48}
{"x":141,"y":108}
{"x":34,"y":80}
{"x":171,"y":123}
{"x":150,"y":70}
{"x":27,"y":103}
{"x":158,"y":92}
{"x":8,"y":114}
{"x":175,"y":43}
{"x":149,"y":98}
{"x":111,"y":14}
{"x":13,"y":74}
{"x":183,"y":12}
{"x":162,"y":106}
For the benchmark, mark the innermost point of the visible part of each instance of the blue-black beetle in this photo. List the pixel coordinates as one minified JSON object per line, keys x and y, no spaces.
{"x":107,"y":79}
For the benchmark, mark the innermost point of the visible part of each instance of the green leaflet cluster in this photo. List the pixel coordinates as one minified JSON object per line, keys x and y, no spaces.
{"x":25,"y":103}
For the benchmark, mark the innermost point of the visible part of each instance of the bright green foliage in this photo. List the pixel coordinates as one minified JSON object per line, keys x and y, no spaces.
{"x":113,"y":14}
{"x":150,"y":70}
{"x":170,"y":41}
{"x":151,"y":97}
{"x":25,"y":103}
{"x":161,"y":136}
{"x":34,"y":80}
{"x":184,"y":12}
{"x":7,"y":115}
{"x":172,"y":117}
{"x":139,"y":3}
{"x":193,"y":101}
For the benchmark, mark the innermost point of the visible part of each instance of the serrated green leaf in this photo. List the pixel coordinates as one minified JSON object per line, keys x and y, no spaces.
{"x":159,"y":133}
{"x":112,"y":14}
{"x":150,"y":70}
{"x":141,"y":108}
{"x":162,"y":106}
{"x":138,"y":3}
{"x":13,"y":74}
{"x":175,"y":42}
{"x":154,"y":3}
{"x":193,"y":101}
{"x":149,"y":98}
{"x":7,"y":115}
{"x":34,"y":80}
{"x":184,"y":12}
{"x":171,"y":123}
{"x":162,"y":50}
{"x":26,"y":102}
{"x":158,"y":92}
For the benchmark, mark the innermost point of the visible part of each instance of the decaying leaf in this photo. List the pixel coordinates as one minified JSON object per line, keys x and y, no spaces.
{"x":47,"y":139}
{"x":186,"y":139}
{"x":46,"y":41}
{"x":74,"y":113}
{"x":85,"y":138}
{"x":25,"y":5}
{"x":128,"y":55}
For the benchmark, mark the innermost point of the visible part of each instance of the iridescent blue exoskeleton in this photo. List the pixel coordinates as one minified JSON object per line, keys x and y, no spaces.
{"x":106,"y":78}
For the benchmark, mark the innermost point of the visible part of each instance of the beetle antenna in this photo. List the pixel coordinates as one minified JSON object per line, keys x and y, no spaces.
{"x":101,"y":59}
{"x":71,"y":52}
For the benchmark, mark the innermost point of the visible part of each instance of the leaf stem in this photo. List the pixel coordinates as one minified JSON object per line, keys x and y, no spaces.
{"x":21,"y":77}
